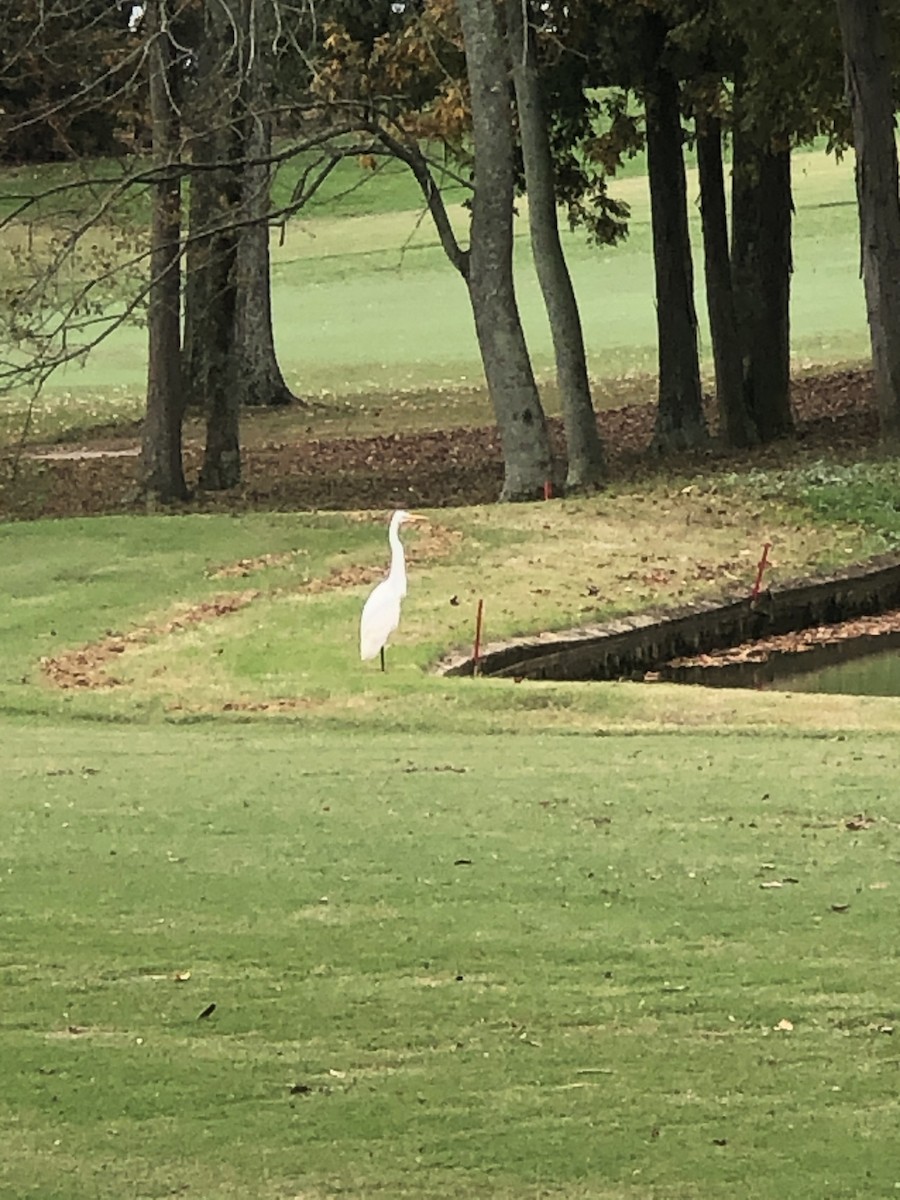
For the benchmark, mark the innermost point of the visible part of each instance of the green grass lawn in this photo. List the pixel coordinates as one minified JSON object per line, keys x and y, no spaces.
{"x":304,"y":576}
{"x":446,"y":965}
{"x":464,"y":937}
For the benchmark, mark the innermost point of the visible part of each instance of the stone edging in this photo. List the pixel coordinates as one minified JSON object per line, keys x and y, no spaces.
{"x":629,"y":646}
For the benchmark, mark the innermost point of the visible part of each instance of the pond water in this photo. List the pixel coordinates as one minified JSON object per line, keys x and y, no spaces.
{"x":867,"y":666}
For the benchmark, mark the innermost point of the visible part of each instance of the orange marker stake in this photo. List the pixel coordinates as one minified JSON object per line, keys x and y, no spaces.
{"x":476,"y":650}
{"x":760,"y":569}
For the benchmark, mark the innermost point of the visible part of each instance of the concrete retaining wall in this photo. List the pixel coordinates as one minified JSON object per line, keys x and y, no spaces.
{"x":628,"y":647}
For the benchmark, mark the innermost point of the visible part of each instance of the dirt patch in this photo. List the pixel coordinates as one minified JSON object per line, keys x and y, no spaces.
{"x":429,"y":469}
{"x":83,"y":454}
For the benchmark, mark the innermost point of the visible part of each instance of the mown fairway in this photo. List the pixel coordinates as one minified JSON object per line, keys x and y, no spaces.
{"x":445,"y":965}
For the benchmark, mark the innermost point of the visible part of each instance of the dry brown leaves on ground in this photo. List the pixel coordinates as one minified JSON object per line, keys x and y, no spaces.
{"x":430,"y":469}
{"x":796,"y":643}
{"x":85,"y":667}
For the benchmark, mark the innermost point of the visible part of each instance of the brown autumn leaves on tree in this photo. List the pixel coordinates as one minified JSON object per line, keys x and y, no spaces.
{"x":480,"y":91}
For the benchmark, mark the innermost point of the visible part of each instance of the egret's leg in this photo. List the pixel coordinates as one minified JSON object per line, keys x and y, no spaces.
{"x":382,"y":658}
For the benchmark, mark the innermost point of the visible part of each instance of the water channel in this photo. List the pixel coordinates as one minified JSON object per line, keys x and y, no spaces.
{"x":866,"y":666}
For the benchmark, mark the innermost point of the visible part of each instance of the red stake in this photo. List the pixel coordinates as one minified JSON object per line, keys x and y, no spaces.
{"x":548,"y":489}
{"x":767,"y":546}
{"x":476,"y":651}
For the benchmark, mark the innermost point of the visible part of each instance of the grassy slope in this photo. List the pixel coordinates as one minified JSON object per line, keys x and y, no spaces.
{"x":70,"y":582}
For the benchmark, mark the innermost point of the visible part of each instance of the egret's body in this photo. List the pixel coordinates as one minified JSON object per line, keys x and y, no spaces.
{"x":381,"y":612}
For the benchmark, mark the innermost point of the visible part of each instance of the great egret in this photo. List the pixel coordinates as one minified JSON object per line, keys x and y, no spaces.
{"x":381,"y":612}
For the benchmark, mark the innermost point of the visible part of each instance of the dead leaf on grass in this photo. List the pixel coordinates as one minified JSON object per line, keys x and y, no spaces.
{"x":859,"y":821}
{"x":784,"y":1025}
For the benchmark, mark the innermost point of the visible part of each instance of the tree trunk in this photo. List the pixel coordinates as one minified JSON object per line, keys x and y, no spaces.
{"x":527,"y":457}
{"x":262,"y":380}
{"x":203,"y":116}
{"x":585,"y":452}
{"x":761,"y":210}
{"x":197,"y":282}
{"x":680,"y":423}
{"x":211,"y":361}
{"x":868,"y":81}
{"x":221,"y":467}
{"x":736,"y":426}
{"x":161,"y":458}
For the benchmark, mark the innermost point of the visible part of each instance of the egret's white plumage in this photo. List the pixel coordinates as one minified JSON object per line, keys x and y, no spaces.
{"x":381,"y":612}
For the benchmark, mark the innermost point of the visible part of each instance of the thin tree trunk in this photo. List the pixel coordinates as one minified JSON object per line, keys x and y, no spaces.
{"x":161,"y":457}
{"x":680,"y":423}
{"x":524,"y":436}
{"x":262,"y":380}
{"x":197,"y":282}
{"x":761,"y":211}
{"x":221,"y":467}
{"x":868,"y":82}
{"x":215,"y":208}
{"x":203,"y":115}
{"x":585,"y":451}
{"x":736,"y":426}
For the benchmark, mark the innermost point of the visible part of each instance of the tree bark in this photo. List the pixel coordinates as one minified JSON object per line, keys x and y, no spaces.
{"x":197,"y":257}
{"x":869,"y":91}
{"x":161,"y":450}
{"x":527,"y":458}
{"x":680,"y":423}
{"x":221,"y":467}
{"x":736,"y":427}
{"x":585,"y":451}
{"x":211,"y":361}
{"x":761,"y":209}
{"x":262,"y":382}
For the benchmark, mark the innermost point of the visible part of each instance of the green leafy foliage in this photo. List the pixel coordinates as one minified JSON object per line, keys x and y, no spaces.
{"x":865,"y":493}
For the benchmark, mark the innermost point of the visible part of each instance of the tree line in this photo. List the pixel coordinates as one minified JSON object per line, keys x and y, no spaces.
{"x":199,"y":101}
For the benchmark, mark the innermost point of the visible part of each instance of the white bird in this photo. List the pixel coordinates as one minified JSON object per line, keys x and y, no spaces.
{"x":381,"y":612}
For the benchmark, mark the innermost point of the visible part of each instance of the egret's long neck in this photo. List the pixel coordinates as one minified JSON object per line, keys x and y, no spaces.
{"x":398,"y":558}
